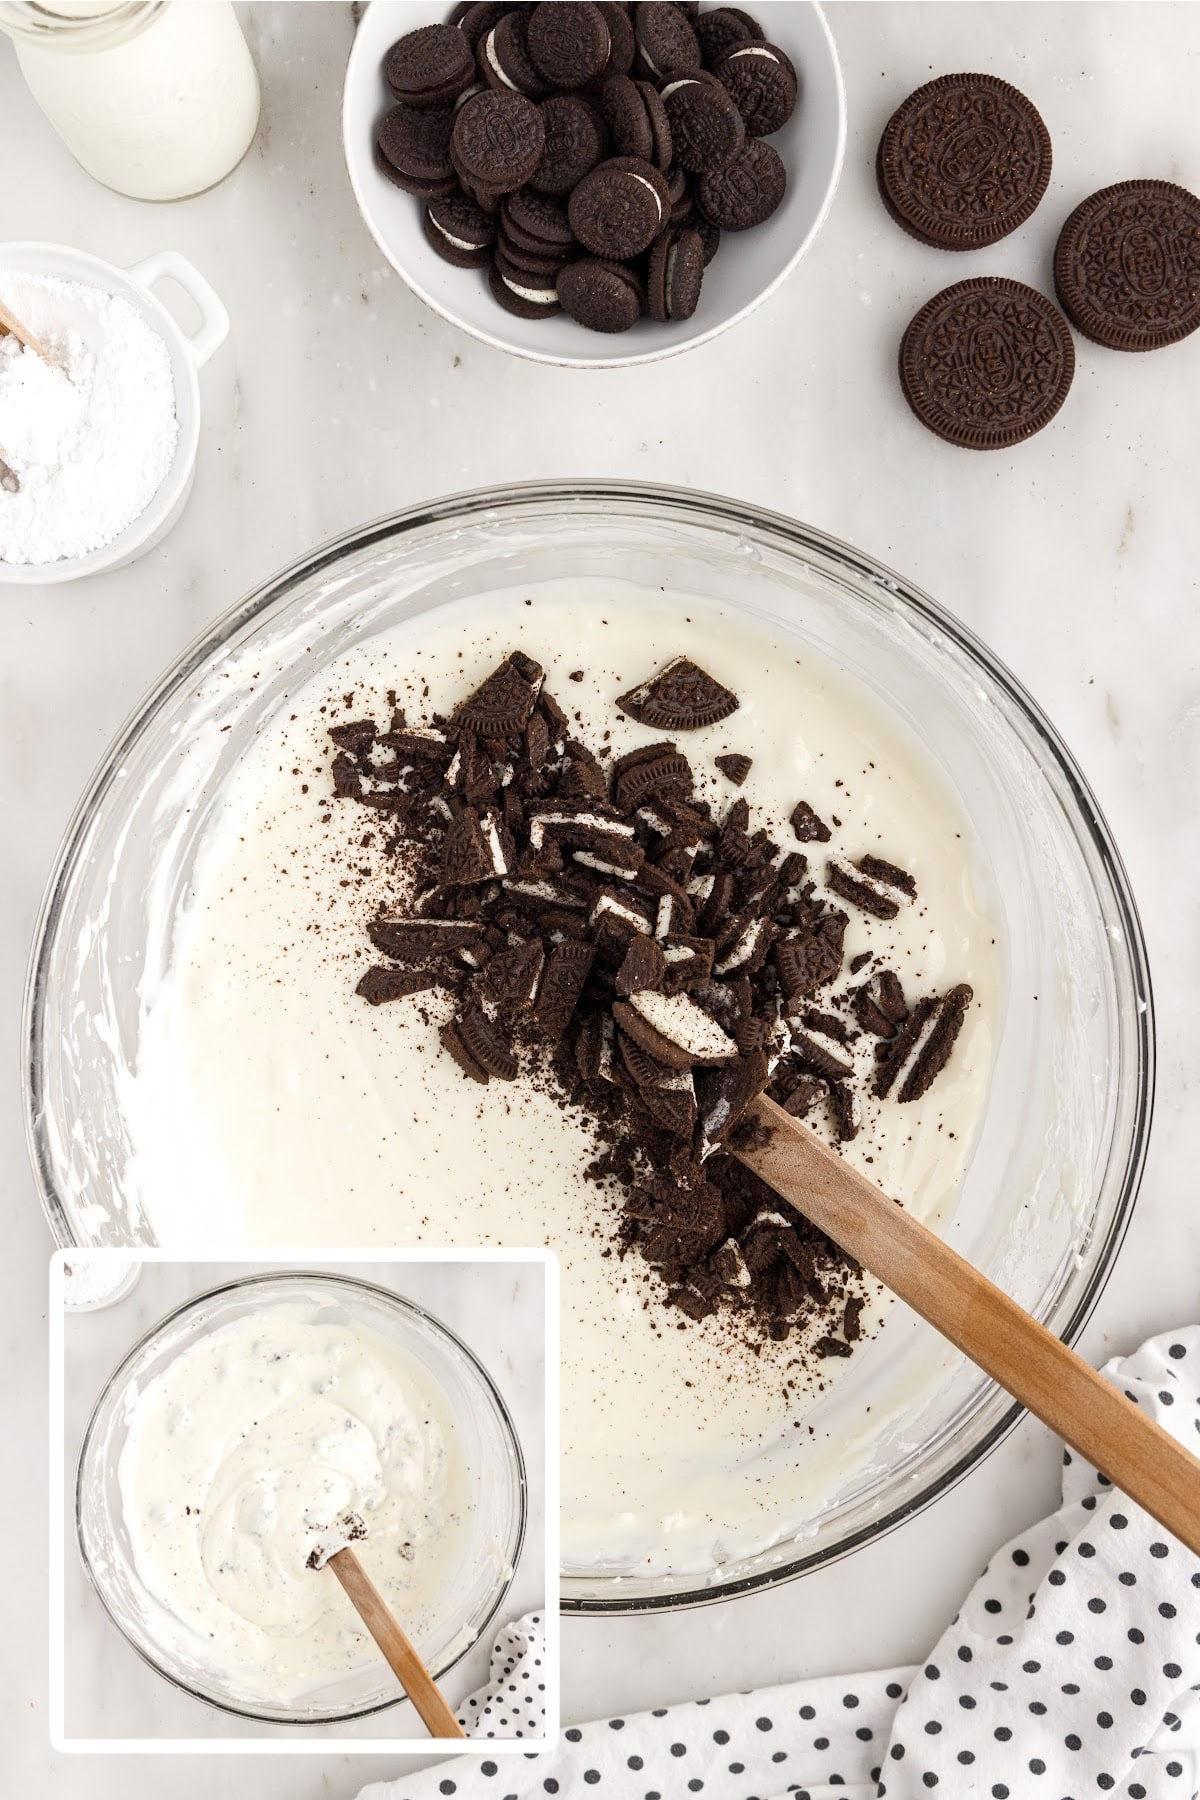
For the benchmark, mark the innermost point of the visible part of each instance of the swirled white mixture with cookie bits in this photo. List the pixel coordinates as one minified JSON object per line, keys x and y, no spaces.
{"x":241,"y":1456}
{"x":271,"y":1103}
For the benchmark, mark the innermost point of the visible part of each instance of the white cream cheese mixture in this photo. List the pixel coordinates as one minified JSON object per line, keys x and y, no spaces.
{"x":242,"y":1454}
{"x":274,"y":1106}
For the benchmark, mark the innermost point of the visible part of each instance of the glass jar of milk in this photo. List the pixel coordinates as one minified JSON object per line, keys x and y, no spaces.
{"x":156,"y":98}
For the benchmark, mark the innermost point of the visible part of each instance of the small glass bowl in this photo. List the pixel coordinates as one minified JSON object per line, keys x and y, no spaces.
{"x":494,"y":1476}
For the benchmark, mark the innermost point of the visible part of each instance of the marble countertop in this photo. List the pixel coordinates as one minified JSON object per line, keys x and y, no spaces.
{"x":340,"y":397}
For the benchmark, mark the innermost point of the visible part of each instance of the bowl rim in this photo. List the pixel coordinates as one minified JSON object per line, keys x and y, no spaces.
{"x":711,"y":511}
{"x":615,"y":361}
{"x":400,"y":1303}
{"x":99,"y":272}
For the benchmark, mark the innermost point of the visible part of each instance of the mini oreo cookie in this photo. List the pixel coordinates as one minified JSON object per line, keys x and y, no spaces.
{"x":747,"y":191}
{"x":707,"y":130}
{"x":576,"y":140}
{"x":761,"y":81}
{"x":618,"y":210}
{"x":675,"y":273}
{"x":666,"y":42}
{"x":526,"y":296}
{"x":604,"y":296}
{"x":568,"y":42}
{"x":963,"y":161}
{"x":1127,"y":265}
{"x":498,"y":141}
{"x":429,"y":66}
{"x":461,"y":232}
{"x":986,"y":363}
{"x":504,"y":61}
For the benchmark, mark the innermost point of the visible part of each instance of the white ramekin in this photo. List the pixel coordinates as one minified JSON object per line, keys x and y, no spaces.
{"x":188,"y":353}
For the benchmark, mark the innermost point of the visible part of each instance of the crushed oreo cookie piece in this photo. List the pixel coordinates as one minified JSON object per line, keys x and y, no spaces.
{"x":597,"y":928}
{"x":921,"y":1050}
{"x":873,"y":885}
{"x":807,"y":826}
{"x":734,"y":767}
{"x":380,"y":985}
{"x":681,"y":697}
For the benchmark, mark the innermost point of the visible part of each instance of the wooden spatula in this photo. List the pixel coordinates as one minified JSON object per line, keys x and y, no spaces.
{"x":1086,"y":1411}
{"x":10,"y":322}
{"x":383,"y":1626}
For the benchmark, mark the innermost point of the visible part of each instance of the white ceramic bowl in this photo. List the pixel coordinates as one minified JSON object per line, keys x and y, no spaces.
{"x":750,"y":265}
{"x":188,"y":352}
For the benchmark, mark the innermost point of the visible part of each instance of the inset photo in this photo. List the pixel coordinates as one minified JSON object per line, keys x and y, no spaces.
{"x":305,"y":1504}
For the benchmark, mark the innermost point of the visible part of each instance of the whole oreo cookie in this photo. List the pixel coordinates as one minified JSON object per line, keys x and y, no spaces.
{"x":476,"y":21}
{"x":662,"y":146}
{"x":745,"y":192}
{"x":416,"y":141}
{"x":675,"y":272}
{"x":533,"y":262}
{"x":622,"y":45}
{"x":526,"y":296}
{"x":430,"y":66}
{"x":619,"y":209}
{"x":537,"y":222}
{"x":761,"y":80}
{"x":498,"y":141}
{"x":601,"y":295}
{"x":461,"y":232}
{"x":568,"y":42}
{"x":504,"y":61}
{"x":986,"y":363}
{"x":722,"y":28}
{"x":963,"y":161}
{"x":707,"y":129}
{"x":576,"y":140}
{"x":1127,"y":265}
{"x":666,"y":41}
{"x":627,"y":119}
{"x":392,"y":141}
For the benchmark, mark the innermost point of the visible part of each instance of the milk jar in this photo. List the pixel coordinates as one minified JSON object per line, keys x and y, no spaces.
{"x":156,"y":98}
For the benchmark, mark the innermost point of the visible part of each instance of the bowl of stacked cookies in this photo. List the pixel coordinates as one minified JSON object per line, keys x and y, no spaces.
{"x":593,"y":185}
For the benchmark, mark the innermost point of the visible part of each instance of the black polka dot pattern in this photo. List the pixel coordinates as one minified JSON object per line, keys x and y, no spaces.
{"x":1071,"y":1670}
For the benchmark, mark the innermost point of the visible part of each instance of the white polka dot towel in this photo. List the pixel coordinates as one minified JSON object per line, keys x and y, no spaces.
{"x":1070,"y":1672}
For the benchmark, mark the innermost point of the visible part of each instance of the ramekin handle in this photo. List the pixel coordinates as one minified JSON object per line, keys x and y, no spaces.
{"x":213,"y":328}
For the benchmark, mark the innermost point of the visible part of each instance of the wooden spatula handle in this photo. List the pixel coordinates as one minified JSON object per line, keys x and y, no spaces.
{"x":407,"y":1666}
{"x":10,"y":322}
{"x":1086,"y":1411}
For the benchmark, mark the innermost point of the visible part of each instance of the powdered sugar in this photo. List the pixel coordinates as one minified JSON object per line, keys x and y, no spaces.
{"x":90,"y":440}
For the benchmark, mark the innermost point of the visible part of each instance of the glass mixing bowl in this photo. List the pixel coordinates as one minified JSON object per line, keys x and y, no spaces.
{"x":494,"y":1474}
{"x":1047,"y":1196}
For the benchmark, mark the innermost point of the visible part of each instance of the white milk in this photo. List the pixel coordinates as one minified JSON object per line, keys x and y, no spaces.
{"x":156,"y":101}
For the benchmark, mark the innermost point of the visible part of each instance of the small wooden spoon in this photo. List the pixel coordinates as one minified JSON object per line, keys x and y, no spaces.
{"x":380,"y":1621}
{"x":1066,"y":1393}
{"x":9,"y":322}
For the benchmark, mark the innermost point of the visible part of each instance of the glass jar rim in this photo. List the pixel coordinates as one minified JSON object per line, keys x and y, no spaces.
{"x":44,"y":24}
